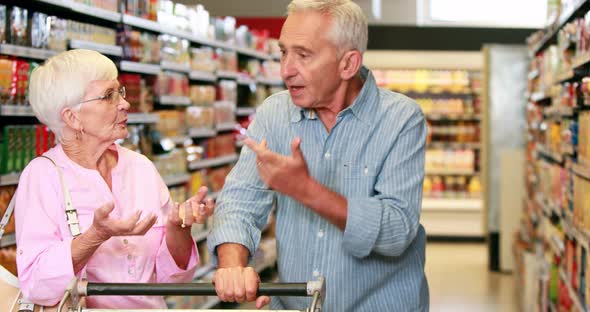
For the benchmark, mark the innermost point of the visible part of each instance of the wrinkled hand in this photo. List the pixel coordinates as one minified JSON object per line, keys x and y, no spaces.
{"x":284,"y":174}
{"x":238,"y":284}
{"x":192,"y":210}
{"x":106,"y":227}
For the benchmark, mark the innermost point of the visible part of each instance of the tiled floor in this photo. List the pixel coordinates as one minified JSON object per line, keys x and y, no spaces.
{"x":460,"y":281}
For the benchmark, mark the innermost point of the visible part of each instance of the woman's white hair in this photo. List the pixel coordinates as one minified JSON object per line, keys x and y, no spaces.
{"x":62,"y":81}
{"x":349,"y":23}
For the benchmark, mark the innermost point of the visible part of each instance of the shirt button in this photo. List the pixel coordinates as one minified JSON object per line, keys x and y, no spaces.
{"x":130,"y":271}
{"x":129,"y":257}
{"x":316,"y":273}
{"x":321,"y":233}
{"x":366,"y":170}
{"x":327,"y":155}
{"x":125,"y":241}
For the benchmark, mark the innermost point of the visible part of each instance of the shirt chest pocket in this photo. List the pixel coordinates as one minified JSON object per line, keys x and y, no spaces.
{"x":357,"y":179}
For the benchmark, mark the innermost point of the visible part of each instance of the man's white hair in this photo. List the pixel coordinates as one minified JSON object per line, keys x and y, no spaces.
{"x":349,"y":23}
{"x":62,"y":81}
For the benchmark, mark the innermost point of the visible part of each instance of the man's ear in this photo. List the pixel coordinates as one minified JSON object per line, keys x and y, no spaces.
{"x":70,"y":118}
{"x":350,"y":64}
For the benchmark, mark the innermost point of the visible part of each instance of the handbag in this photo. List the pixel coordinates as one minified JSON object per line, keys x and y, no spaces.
{"x":12,"y":300}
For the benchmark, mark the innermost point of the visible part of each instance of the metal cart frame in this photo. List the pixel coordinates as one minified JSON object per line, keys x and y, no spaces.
{"x":71,"y":301}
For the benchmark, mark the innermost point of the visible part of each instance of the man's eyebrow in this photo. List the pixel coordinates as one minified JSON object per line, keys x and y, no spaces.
{"x":297,"y":47}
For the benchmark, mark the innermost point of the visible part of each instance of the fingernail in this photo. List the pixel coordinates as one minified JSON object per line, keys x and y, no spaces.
{"x":202,"y":209}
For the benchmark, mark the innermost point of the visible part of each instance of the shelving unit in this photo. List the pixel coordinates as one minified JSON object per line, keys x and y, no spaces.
{"x":143,"y":123}
{"x":451,"y":101}
{"x":553,"y":222}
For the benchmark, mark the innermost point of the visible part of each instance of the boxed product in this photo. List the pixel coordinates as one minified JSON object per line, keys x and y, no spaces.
{"x":170,"y":83}
{"x":171,"y":123}
{"x":6,"y":73}
{"x":200,"y":117}
{"x":227,"y":90}
{"x":202,"y":95}
{"x":174,"y":50}
{"x":3,"y":23}
{"x":202,"y":59}
{"x":57,"y":35}
{"x":19,"y":26}
{"x":224,"y":112}
{"x":39,"y":30}
{"x":220,"y":145}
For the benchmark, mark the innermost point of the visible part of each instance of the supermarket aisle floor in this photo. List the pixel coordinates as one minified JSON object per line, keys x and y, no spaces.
{"x":460,"y":281}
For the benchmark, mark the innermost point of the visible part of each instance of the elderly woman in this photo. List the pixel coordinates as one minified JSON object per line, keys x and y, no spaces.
{"x":130,"y":228}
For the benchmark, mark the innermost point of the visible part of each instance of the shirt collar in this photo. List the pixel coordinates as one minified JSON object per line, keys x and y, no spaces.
{"x":361,"y":107}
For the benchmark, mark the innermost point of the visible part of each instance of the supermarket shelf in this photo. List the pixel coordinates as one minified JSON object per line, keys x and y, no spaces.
{"x":570,"y":289}
{"x":253,"y":53}
{"x":464,"y":172}
{"x":577,"y":10}
{"x":14,"y":50}
{"x":245,"y":81}
{"x":270,"y":81}
{"x":549,"y":154}
{"x":245,"y":111}
{"x":16,"y":110}
{"x":95,"y":12}
{"x":183,"y":68}
{"x":224,"y":74}
{"x":573,"y":231}
{"x":567,"y":148}
{"x":139,"y":118}
{"x":540,"y":97}
{"x":202,"y":76}
{"x":581,"y":60}
{"x":459,"y":205}
{"x":176,"y":179}
{"x":9,"y":179}
{"x":204,"y":270}
{"x":581,"y":170}
{"x":141,"y":23}
{"x":102,"y":48}
{"x":174,"y":100}
{"x":453,"y":145}
{"x":226,"y":126}
{"x":8,"y":239}
{"x":207,"y":163}
{"x":201,"y":132}
{"x":141,"y":68}
{"x":559,"y":111}
{"x":557,"y":245}
{"x":180,"y":139}
{"x":200,"y":237}
{"x":564,"y":76}
{"x":452,"y":117}
{"x":533,"y":74}
{"x":59,"y":3}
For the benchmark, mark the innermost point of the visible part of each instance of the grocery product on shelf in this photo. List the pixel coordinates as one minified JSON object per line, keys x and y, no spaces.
{"x":22,"y":143}
{"x":203,"y":59}
{"x":200,"y":117}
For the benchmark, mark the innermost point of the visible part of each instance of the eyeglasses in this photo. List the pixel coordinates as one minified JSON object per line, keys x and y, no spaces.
{"x":112,"y":97}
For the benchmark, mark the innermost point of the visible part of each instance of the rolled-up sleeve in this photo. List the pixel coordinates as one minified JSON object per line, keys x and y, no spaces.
{"x":244,"y":204}
{"x":387,"y":223}
{"x":44,"y":252}
{"x":167,"y":271}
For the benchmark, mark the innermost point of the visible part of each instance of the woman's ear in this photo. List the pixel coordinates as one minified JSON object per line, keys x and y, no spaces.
{"x":350,"y":64}
{"x":70,"y":118}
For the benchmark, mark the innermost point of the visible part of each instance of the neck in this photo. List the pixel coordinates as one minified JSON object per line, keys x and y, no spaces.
{"x":86,"y":152}
{"x":344,"y":96}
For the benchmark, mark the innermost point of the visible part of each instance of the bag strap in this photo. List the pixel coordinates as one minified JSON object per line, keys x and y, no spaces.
{"x":71,"y":213}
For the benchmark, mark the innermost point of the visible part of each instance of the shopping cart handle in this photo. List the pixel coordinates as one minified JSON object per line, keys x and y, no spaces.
{"x":194,"y":289}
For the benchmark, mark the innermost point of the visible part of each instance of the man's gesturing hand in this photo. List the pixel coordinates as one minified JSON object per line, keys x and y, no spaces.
{"x":285,"y":174}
